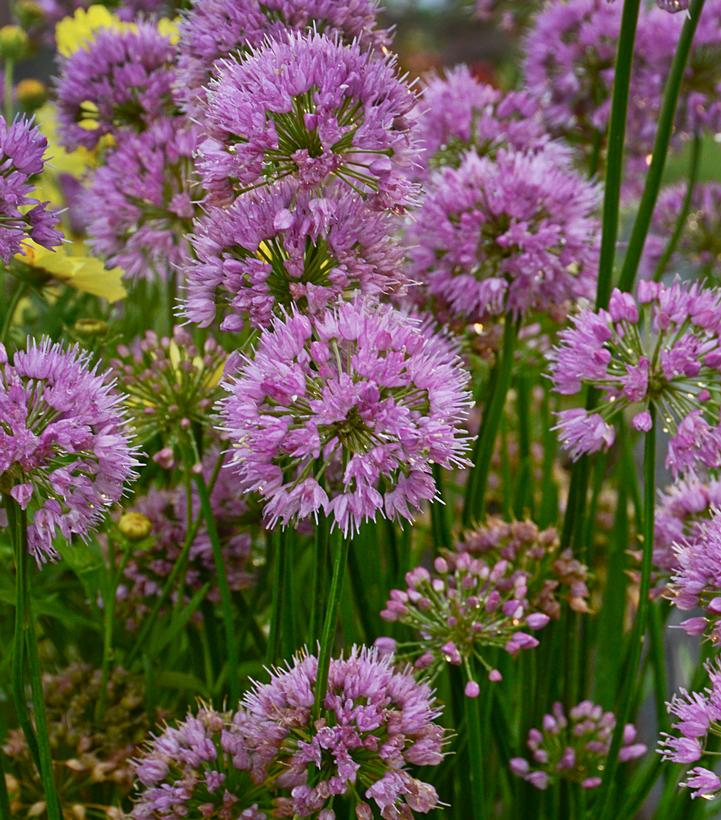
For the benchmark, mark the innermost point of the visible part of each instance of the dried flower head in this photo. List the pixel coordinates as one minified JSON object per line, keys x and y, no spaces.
{"x":64,"y":442}
{"x":279,"y":248}
{"x":516,"y":233}
{"x":659,"y":349}
{"x":22,"y":147}
{"x":309,"y":109}
{"x":575,"y":747}
{"x":375,"y":722}
{"x":142,"y":201}
{"x":93,"y":761}
{"x":345,"y":413}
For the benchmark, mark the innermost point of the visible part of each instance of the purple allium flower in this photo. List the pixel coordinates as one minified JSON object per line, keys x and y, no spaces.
{"x":700,"y":242}
{"x":698,"y":718}
{"x":569,"y":65}
{"x":64,"y":442}
{"x":143,"y":199}
{"x":309,"y":109}
{"x":22,"y":147}
{"x":345,"y":413}
{"x":198,"y":768}
{"x":215,"y":29}
{"x":166,"y":512}
{"x":280,"y":247}
{"x":171,"y":383}
{"x":680,"y":510}
{"x":461,"y":113}
{"x":696,"y":582}
{"x":517,"y":233}
{"x":121,"y":81}
{"x":496,"y":587}
{"x":574,"y":748}
{"x":660,"y":348}
{"x":375,"y":722}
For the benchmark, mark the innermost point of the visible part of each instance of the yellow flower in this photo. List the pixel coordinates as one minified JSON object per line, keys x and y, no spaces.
{"x":71,"y":265}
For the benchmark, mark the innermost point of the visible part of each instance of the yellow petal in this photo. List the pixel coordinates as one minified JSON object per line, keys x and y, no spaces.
{"x":78,"y":31}
{"x":71,"y":265}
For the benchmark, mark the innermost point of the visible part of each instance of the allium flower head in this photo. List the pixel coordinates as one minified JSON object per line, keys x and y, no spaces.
{"x":82,"y":750}
{"x":214,"y":29}
{"x":64,"y":449}
{"x":22,"y":147}
{"x":574,"y":748}
{"x":680,"y":509}
{"x":122,"y":81}
{"x":461,"y":113}
{"x":309,"y":109}
{"x":696,"y":582}
{"x":142,"y":201}
{"x":166,"y":512}
{"x":170,"y":382}
{"x":375,"y":722}
{"x":517,"y":233}
{"x":699,"y":245}
{"x":660,"y":348}
{"x":698,"y":721}
{"x":345,"y":413}
{"x":197,"y":768}
{"x":280,"y":247}
{"x":498,"y":587}
{"x":569,"y":65}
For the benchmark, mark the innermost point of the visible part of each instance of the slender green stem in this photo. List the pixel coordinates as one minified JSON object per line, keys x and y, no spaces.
{"x":18,"y":520}
{"x":660,"y":148}
{"x":340,"y":546}
{"x":8,"y":90}
{"x":475,"y":502}
{"x":320,"y":564}
{"x":614,"y":158}
{"x":672,"y":243}
{"x":630,"y":685}
{"x":17,"y":295}
{"x":275,"y":651}
{"x":226,"y":603}
{"x":439,"y":512}
{"x":476,"y":760}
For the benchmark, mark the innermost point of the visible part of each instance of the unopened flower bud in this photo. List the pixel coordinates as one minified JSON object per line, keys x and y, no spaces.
{"x":14,"y":43}
{"x":30,"y":94}
{"x":135,"y":526}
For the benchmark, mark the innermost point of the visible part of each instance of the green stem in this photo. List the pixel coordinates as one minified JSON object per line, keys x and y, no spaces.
{"x":660,"y":148}
{"x":476,"y":760}
{"x":614,"y":158}
{"x":8,"y":90}
{"x":4,"y":797}
{"x":672,"y":243}
{"x":340,"y":546}
{"x":25,"y":637}
{"x":226,"y":602}
{"x":439,"y":512}
{"x":320,"y":563}
{"x":475,"y":502}
{"x":630,"y":685}
{"x":18,"y":293}
{"x":275,"y":651}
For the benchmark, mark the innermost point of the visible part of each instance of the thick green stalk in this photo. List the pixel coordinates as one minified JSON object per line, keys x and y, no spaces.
{"x":440,"y":523}
{"x":672,"y":243}
{"x":226,"y":603}
{"x":320,"y":565}
{"x":630,"y":685}
{"x":660,"y":148}
{"x":25,"y":637}
{"x":475,"y":502}
{"x":280,"y":548}
{"x":614,"y":158}
{"x":340,"y":546}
